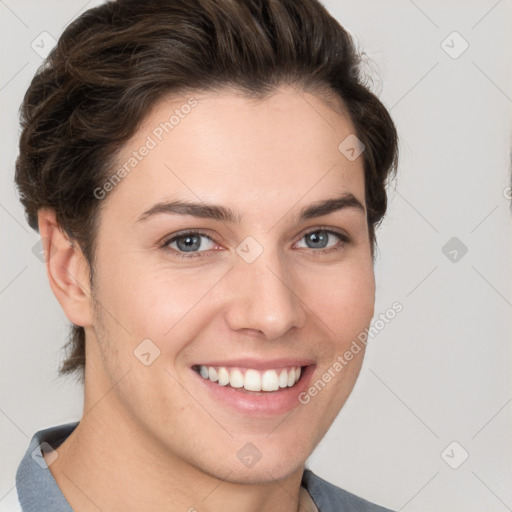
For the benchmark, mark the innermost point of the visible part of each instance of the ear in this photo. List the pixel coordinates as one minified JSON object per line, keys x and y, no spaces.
{"x":67,"y":270}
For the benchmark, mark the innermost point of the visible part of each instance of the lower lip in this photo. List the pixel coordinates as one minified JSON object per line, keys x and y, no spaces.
{"x":264,"y":403}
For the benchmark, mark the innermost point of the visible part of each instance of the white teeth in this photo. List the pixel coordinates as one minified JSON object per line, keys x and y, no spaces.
{"x":252,"y":380}
{"x":269,"y":381}
{"x":212,"y":374}
{"x":291,"y":377}
{"x":223,"y":375}
{"x":236,"y":379}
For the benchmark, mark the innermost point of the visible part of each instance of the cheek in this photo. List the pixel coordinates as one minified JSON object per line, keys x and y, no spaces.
{"x":343,"y":300}
{"x":159,"y":304}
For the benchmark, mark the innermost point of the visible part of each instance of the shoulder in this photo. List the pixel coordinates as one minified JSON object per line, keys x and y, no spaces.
{"x":330,"y":498}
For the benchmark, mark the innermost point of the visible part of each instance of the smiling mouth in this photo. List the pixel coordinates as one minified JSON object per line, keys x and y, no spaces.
{"x":250,"y":379}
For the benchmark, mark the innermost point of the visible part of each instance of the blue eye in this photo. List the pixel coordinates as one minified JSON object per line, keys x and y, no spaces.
{"x":189,"y":244}
{"x":320,"y":238}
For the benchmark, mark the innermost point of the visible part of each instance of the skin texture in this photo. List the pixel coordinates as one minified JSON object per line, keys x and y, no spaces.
{"x":150,"y":438}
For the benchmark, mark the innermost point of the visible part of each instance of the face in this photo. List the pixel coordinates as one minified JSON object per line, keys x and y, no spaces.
{"x":245,"y":292}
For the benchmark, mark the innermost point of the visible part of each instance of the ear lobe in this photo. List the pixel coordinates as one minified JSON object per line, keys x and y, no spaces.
{"x":67,"y":270}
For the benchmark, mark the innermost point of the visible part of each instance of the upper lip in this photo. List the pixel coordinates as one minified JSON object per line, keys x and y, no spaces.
{"x":260,"y":364}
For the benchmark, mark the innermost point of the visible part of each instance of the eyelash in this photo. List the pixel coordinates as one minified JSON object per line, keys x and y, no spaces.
{"x":344,"y":240}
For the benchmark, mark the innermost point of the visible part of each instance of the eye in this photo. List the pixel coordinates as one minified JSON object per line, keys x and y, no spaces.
{"x":189,"y":242}
{"x":321,"y":238}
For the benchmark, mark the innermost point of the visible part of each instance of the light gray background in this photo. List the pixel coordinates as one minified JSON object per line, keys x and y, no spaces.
{"x":441,"y":370}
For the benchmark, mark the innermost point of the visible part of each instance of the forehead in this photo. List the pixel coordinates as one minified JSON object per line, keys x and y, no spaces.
{"x":247,"y":153}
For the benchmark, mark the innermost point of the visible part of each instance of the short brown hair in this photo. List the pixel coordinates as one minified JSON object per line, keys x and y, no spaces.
{"x":114,"y":62}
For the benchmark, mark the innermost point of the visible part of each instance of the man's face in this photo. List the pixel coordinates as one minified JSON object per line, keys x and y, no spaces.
{"x":264,"y":291}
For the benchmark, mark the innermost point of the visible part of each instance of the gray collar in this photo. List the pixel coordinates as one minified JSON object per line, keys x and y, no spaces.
{"x":36,"y":487}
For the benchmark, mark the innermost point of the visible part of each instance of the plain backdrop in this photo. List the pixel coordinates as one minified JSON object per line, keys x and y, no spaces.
{"x":435,"y":387}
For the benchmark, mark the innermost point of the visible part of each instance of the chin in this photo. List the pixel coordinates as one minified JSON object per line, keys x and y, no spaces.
{"x":257,"y":470}
{"x":265,"y":473}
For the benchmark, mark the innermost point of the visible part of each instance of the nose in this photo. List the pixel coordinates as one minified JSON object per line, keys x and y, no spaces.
{"x":265,"y":297}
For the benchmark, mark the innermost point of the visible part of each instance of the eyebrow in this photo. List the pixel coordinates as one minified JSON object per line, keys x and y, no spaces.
{"x":217,"y":212}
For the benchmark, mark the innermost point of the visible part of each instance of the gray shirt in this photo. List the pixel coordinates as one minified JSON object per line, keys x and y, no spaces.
{"x":38,"y":491}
